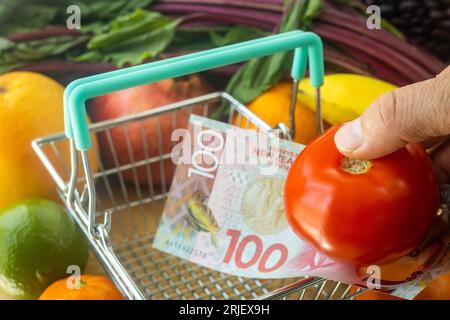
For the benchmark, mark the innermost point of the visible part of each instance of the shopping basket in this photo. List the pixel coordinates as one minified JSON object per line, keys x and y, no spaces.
{"x":119,"y":218}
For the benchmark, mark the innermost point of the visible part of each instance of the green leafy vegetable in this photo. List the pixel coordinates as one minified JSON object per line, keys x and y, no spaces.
{"x":107,"y":9}
{"x":131,"y":39}
{"x":195,"y":39}
{"x":215,"y":36}
{"x":5,"y":44}
{"x":31,"y":16}
{"x":41,"y":13}
{"x":13,"y":54}
{"x":235,"y":34}
{"x":258,"y":75}
{"x":349,"y":45}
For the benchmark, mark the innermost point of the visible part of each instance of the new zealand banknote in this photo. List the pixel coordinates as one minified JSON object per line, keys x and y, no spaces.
{"x":225,"y":210}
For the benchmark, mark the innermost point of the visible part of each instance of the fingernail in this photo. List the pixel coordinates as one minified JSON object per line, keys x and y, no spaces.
{"x":349,"y":137}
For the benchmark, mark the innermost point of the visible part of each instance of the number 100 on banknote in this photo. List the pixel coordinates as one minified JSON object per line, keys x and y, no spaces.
{"x":225,"y":206}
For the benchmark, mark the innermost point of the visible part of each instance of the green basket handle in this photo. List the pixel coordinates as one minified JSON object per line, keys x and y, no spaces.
{"x":73,"y":84}
{"x":83,"y":89}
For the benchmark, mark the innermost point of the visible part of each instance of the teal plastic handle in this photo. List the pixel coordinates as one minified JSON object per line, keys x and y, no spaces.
{"x":67,"y":122}
{"x":91,"y":87}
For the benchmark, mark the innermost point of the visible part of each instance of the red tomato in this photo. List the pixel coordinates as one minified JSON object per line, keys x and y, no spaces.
{"x":371,"y":217}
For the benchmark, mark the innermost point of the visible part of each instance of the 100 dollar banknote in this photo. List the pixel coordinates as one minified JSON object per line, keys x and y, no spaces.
{"x":225,"y":206}
{"x":225,"y":211}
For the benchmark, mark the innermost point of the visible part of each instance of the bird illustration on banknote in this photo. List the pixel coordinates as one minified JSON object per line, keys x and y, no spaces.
{"x":201,"y":218}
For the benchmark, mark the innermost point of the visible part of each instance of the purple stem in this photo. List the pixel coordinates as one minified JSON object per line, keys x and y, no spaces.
{"x":240,"y":14}
{"x":52,"y":31}
{"x":379,"y":68}
{"x":67,"y":66}
{"x":353,"y":21}
{"x":271,"y":5}
{"x":208,"y":20}
{"x":391,"y":57}
{"x":338,"y":57}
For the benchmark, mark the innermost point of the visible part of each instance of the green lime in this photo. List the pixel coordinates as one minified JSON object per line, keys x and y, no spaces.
{"x":38,"y":241}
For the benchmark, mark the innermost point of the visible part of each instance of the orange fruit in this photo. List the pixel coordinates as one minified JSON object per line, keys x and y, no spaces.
{"x":273,"y":107}
{"x":376,"y":295}
{"x":90,"y":288}
{"x":437,"y":289}
{"x":401,"y":270}
{"x":31,"y":106}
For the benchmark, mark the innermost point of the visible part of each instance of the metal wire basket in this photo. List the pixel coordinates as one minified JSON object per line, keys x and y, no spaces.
{"x":139,"y":270}
{"x":126,"y":195}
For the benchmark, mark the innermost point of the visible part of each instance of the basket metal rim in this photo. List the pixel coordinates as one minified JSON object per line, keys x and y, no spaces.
{"x":101,"y":125}
{"x":104,"y":252}
{"x":97,"y":126}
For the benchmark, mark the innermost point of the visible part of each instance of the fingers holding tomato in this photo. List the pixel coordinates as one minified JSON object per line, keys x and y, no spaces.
{"x":361,"y":212}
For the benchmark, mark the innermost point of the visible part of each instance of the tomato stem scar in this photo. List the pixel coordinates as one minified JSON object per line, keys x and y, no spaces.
{"x":82,"y":283}
{"x":355,"y":166}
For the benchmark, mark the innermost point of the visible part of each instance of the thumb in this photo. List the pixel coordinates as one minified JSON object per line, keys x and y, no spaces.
{"x":413,"y":113}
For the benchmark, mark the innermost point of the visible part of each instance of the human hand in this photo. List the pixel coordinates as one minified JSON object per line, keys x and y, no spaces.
{"x":416,"y":113}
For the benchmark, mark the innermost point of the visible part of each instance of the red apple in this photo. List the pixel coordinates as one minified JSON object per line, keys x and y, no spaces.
{"x":153,"y":132}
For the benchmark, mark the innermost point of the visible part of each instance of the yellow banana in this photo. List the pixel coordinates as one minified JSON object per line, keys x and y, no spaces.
{"x":344,"y":96}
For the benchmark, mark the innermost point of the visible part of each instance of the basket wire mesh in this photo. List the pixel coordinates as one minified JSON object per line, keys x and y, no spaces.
{"x":133,"y":187}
